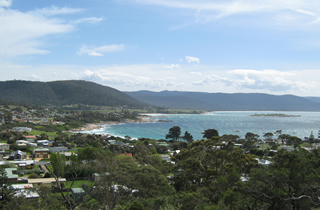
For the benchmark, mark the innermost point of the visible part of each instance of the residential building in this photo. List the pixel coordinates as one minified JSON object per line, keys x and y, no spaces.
{"x":45,"y":182}
{"x":11,"y":174}
{"x":4,"y":146}
{"x":17,"y":155}
{"x":41,"y":153}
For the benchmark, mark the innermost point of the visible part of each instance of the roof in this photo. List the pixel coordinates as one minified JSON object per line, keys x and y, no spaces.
{"x":77,"y":190}
{"x":45,"y":180}
{"x":18,"y":152}
{"x":41,"y":149}
{"x":21,"y":186}
{"x":9,"y":172}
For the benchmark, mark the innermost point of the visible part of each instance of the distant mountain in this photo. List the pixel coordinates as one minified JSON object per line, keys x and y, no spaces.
{"x":315,"y":99}
{"x":226,"y":102}
{"x":63,"y":93}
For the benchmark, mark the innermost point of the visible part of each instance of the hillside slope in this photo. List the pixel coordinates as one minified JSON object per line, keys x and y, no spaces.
{"x":226,"y":102}
{"x":63,"y":93}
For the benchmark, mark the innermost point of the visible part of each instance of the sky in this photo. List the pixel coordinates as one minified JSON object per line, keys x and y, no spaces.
{"x":229,"y":46}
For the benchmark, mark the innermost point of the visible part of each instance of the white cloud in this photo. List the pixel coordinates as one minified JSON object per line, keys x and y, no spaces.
{"x":196,"y":73}
{"x":265,"y":80}
{"x":34,"y":77}
{"x":20,"y":32}
{"x":92,"y":20}
{"x":97,"y":51}
{"x":5,"y":3}
{"x":192,"y":59}
{"x":51,"y":11}
{"x":172,"y":66}
{"x":273,"y":10}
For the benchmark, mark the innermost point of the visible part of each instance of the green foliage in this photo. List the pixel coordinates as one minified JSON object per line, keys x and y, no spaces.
{"x":204,"y":164}
{"x":47,"y":175}
{"x":174,"y":133}
{"x":33,"y":176}
{"x":6,"y":191}
{"x":210,"y":133}
{"x":57,"y":162}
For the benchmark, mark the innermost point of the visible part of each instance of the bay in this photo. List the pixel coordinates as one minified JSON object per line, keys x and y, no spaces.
{"x":238,"y":123}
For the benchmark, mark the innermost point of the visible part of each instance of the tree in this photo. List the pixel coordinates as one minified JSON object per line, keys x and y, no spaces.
{"x":6,"y":191}
{"x":284,"y":138}
{"x":44,"y":136}
{"x":204,"y":162}
{"x":268,"y":135}
{"x":174,"y":133}
{"x":57,"y":161}
{"x":290,"y":182}
{"x":210,"y":133}
{"x":188,"y":137}
{"x":150,"y":183}
{"x":252,"y":136}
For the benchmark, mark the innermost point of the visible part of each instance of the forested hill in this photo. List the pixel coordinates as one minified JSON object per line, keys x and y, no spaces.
{"x":63,"y":93}
{"x":226,"y":102}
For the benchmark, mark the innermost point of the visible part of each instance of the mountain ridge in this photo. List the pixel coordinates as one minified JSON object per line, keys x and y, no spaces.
{"x":227,"y":101}
{"x":64,"y":92}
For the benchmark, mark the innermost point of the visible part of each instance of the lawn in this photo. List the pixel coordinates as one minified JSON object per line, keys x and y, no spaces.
{"x":78,"y":183}
{"x":38,"y":133}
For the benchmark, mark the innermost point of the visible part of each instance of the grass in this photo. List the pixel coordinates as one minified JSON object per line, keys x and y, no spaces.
{"x":78,"y":183}
{"x":38,"y":133}
{"x":3,"y":141}
{"x":45,"y":160}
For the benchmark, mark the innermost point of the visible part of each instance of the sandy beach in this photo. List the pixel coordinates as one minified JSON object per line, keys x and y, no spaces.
{"x":93,"y":126}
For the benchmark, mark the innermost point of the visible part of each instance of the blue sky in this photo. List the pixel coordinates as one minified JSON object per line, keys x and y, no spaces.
{"x":266,"y":46}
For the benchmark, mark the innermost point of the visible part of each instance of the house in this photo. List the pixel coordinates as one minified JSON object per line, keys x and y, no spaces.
{"x":27,"y":164}
{"x":77,"y":193}
{"x":21,"y":129}
{"x":166,"y":158}
{"x":44,"y":143}
{"x":126,"y":154}
{"x":11,"y":174}
{"x":25,"y":190}
{"x":31,"y":137}
{"x":4,"y":146}
{"x":58,"y":149}
{"x":41,"y":153}
{"x":96,"y":177}
{"x":17,"y":155}
{"x":48,"y":182}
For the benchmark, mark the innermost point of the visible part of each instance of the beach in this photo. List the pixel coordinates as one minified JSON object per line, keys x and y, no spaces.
{"x":94,"y":126}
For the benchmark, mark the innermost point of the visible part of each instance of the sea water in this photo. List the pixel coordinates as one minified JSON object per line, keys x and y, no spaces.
{"x":238,"y":123}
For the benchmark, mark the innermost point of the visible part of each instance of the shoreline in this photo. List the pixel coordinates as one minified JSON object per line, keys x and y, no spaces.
{"x":94,"y":126}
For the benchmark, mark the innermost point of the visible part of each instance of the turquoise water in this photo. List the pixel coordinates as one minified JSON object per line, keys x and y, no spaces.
{"x":224,"y":122}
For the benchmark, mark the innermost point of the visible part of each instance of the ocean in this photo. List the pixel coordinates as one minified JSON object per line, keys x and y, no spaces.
{"x":238,"y":123}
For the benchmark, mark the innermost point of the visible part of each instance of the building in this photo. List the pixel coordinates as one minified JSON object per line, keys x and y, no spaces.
{"x":48,"y":182}
{"x":27,"y":164}
{"x":26,"y":191}
{"x":41,"y":153}
{"x":17,"y":155}
{"x":11,"y":174}
{"x":77,"y":193}
{"x":4,"y":146}
{"x":58,"y":149}
{"x":21,"y":129}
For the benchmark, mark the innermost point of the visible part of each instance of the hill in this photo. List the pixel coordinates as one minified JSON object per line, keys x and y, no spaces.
{"x":63,"y":93}
{"x":226,"y":102}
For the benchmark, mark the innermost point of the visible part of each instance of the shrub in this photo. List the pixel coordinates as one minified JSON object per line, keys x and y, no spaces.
{"x":47,"y":175}
{"x":33,"y":176}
